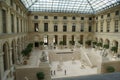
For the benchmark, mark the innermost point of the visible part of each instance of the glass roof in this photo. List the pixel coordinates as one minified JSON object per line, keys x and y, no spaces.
{"x":69,"y":6}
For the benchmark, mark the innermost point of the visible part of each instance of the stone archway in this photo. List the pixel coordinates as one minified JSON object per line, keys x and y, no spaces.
{"x":13,"y":51}
{"x":107,"y":41}
{"x":36,"y":40}
{"x":6,"y":56}
{"x":18,"y":49}
{"x":115,"y":44}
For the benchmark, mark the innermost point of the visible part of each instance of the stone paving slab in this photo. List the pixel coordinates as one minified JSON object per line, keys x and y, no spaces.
{"x":109,"y":76}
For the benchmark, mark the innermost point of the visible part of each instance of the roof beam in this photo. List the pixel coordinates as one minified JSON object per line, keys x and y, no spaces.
{"x":32,"y":3}
{"x":91,"y":6}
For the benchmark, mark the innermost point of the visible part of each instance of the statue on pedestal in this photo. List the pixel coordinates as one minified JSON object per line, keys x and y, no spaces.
{"x":43,"y":57}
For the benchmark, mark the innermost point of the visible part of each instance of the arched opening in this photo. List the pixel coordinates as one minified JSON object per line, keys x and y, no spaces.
{"x":101,"y":41}
{"x":96,"y":39}
{"x":107,"y":41}
{"x":18,"y":49}
{"x":45,"y":39}
{"x":6,"y":58}
{"x":56,"y":39}
{"x":64,"y":39}
{"x":115,"y":44}
{"x":81,"y":39}
{"x":13,"y":51}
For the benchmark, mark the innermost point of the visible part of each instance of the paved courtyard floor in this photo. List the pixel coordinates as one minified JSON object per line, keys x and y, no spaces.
{"x":72,"y":69}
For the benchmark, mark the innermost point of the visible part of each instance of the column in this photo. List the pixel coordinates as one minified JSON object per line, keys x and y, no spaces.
{"x":8,"y":21}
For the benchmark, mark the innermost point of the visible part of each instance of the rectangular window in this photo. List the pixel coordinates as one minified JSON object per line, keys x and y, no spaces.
{"x":90,"y":27}
{"x":4,"y":26}
{"x":64,"y":17}
{"x":102,"y":16}
{"x":101,"y":28}
{"x":16,"y":7}
{"x":45,"y":27}
{"x":36,"y":27}
{"x":55,"y":17}
{"x":11,"y":2}
{"x":96,"y":27}
{"x":55,"y":28}
{"x":90,"y":18}
{"x":45,"y":17}
{"x":108,"y":26}
{"x":116,"y":25}
{"x":21,"y":25}
{"x":117,"y":13}
{"x":82,"y":18}
{"x":73,"y":18}
{"x":35,"y":17}
{"x":108,"y":15}
{"x":73,"y":28}
{"x":82,"y":27}
{"x":96,"y":18}
{"x":64,"y":28}
{"x":12,"y":23}
{"x":17,"y":24}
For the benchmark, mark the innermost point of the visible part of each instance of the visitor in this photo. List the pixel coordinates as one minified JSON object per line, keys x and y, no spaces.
{"x":51,"y":72}
{"x":54,"y":72}
{"x":65,"y":72}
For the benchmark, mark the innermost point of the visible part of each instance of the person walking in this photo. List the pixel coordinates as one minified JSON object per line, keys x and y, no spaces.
{"x":51,"y":72}
{"x":65,"y":72}
{"x":54,"y":72}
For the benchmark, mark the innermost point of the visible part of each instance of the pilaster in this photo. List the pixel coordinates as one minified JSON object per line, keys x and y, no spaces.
{"x":1,"y":65}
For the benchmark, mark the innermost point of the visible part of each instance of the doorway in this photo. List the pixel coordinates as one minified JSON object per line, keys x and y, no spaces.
{"x":36,"y":44}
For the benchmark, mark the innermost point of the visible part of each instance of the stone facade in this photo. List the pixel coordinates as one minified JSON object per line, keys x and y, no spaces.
{"x":15,"y":37}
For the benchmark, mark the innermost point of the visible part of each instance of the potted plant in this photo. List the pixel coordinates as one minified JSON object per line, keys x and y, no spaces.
{"x":88,"y":43}
{"x":106,"y":46}
{"x":80,"y":42}
{"x":94,"y":43}
{"x":61,"y":43}
{"x":40,"y":75}
{"x":114,"y":49}
{"x":72,"y":42}
{"x":110,"y":69}
{"x":41,"y":44}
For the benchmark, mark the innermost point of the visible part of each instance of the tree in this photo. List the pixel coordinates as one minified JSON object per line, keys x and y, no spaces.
{"x":110,"y":69}
{"x":41,"y":42}
{"x":72,"y":42}
{"x":106,"y":46}
{"x":40,"y":75}
{"x":94,"y":43}
{"x":80,"y":42}
{"x":88,"y":42}
{"x":99,"y":44}
{"x":114,"y":49}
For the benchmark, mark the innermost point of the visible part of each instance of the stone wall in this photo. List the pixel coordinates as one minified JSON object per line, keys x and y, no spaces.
{"x":115,"y":64}
{"x":30,"y":73}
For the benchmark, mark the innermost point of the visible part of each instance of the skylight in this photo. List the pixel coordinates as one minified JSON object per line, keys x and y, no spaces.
{"x":69,"y":6}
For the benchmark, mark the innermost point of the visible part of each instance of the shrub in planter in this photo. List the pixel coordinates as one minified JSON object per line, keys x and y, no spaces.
{"x":110,"y":69}
{"x":41,"y":42}
{"x":88,"y":42}
{"x":61,"y":43}
{"x":94,"y":43}
{"x":72,"y":42}
{"x":80,"y":42}
{"x":114,"y":49}
{"x":40,"y":75}
{"x":99,"y":44}
{"x":106,"y":46}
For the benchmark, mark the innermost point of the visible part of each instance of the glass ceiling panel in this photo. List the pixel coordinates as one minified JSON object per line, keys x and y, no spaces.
{"x":72,"y":6}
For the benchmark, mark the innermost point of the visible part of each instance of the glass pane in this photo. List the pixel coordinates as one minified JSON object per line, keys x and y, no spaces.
{"x":73,"y":6}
